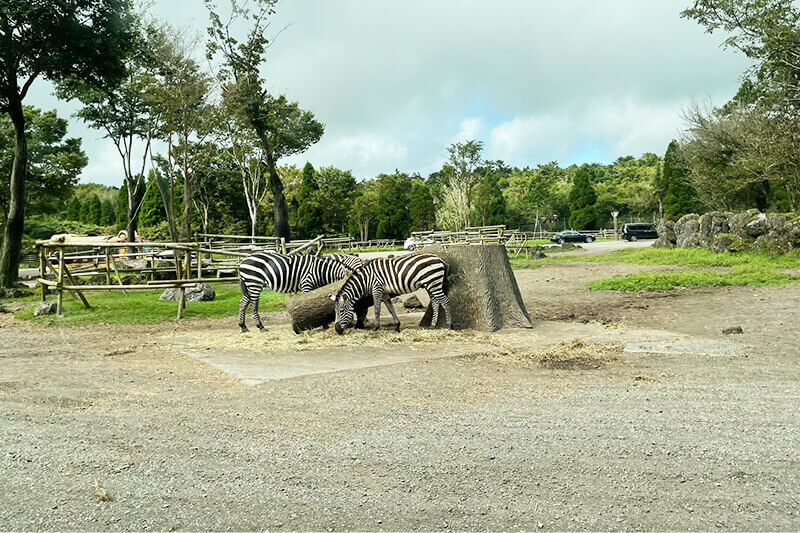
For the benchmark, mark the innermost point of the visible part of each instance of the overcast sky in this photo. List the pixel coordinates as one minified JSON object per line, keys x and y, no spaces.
{"x":537,"y":80}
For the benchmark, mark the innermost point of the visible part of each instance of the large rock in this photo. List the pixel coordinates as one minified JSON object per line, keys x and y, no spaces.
{"x":666,"y":234}
{"x":723,"y":242}
{"x":710,"y":225}
{"x":773,"y":244}
{"x":412,"y":302}
{"x":45,"y":308}
{"x":202,"y":292}
{"x":686,"y":229}
{"x":756,"y":226}
{"x":738,"y":221}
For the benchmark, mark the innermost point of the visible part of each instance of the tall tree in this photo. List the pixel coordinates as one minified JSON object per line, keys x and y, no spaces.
{"x":309,"y":210}
{"x":582,"y":199}
{"x":280,"y":125}
{"x":55,"y":40}
{"x":679,"y":197}
{"x":94,"y":210}
{"x":107,"y":213}
{"x":421,"y":210}
{"x":465,"y":158}
{"x":74,"y":209}
{"x":336,"y":192}
{"x":365,"y":209}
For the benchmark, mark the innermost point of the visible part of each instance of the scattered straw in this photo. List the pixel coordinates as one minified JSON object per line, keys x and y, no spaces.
{"x":100,"y":493}
{"x":570,"y":355}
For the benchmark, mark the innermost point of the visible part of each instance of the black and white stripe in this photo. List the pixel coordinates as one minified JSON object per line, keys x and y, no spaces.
{"x":384,"y":278}
{"x":284,"y":273}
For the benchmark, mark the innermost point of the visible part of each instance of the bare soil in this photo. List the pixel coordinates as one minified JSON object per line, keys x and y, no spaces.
{"x":116,"y":428}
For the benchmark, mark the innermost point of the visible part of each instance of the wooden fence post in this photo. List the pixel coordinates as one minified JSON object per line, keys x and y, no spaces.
{"x":43,"y":269}
{"x":60,"y":286}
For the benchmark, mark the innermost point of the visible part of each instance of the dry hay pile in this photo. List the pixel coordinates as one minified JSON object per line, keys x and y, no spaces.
{"x":570,"y":355}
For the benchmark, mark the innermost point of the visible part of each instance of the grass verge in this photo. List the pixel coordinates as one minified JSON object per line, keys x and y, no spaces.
{"x":754,"y":275}
{"x":689,"y":257}
{"x":144,"y":307}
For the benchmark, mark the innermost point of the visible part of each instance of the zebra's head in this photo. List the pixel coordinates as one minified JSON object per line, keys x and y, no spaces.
{"x":345,"y":317}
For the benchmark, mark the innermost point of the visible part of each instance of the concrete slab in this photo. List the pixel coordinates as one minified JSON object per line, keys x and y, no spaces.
{"x":252,"y":368}
{"x":696,"y":346}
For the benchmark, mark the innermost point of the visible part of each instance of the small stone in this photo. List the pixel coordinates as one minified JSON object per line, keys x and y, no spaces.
{"x":202,"y":292}
{"x":46,"y":308}
{"x":412,"y":302}
{"x":733,"y":330}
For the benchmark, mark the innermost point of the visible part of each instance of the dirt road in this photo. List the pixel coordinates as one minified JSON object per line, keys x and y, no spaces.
{"x":653,"y":420}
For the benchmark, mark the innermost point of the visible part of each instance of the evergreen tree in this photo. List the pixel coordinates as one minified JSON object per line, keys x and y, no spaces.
{"x":95,"y":210}
{"x":488,"y":202}
{"x":74,"y":209}
{"x":582,"y":199}
{"x":152,"y":210}
{"x":393,"y":196}
{"x":107,"y":217}
{"x":421,"y":210}
{"x":122,"y":206}
{"x":677,"y":195}
{"x":83,"y":215}
{"x":309,"y":209}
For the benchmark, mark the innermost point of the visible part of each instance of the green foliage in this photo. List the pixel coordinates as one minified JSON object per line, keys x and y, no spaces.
{"x":488,"y":201}
{"x":582,"y":199}
{"x":152,"y":211}
{"x":74,"y":209}
{"x":393,"y":198}
{"x":365,"y":210}
{"x":144,"y":307}
{"x":107,"y":217}
{"x":336,"y":194}
{"x":40,"y":227}
{"x":309,"y":210}
{"x":679,"y":197}
{"x":94,"y":210}
{"x":421,"y":210}
{"x":54,"y":162}
{"x":688,"y":257}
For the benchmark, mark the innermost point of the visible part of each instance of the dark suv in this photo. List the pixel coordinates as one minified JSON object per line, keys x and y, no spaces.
{"x":571,"y":236}
{"x":634,"y":232}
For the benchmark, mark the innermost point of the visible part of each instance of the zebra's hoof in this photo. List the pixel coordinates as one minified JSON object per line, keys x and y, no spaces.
{"x":262,"y":329}
{"x":244,"y":329}
{"x":376,"y":328}
{"x":397,"y":328}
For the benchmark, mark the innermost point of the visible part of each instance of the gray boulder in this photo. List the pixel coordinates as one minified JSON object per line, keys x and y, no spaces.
{"x":666,"y":234}
{"x":710,"y":225}
{"x":723,"y":242}
{"x":45,"y":308}
{"x":756,"y":226}
{"x":686,"y":229}
{"x":738,"y":221}
{"x":773,"y":244}
{"x":202,"y":292}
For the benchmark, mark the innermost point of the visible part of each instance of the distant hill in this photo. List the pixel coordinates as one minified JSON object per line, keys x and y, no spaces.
{"x":104,"y":192}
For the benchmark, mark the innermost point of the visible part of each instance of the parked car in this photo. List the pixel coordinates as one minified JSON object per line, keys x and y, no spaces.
{"x":634,"y":232}
{"x":415,"y":243}
{"x":571,"y":236}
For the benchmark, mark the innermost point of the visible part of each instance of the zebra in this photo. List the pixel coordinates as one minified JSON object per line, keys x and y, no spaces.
{"x":284,"y":273}
{"x":350,"y":261}
{"x":384,"y":278}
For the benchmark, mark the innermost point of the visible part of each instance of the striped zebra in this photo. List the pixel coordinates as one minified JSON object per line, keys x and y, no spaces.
{"x":384,"y":278}
{"x":285,"y":273}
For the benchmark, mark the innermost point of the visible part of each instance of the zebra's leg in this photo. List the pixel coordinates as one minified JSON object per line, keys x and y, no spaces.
{"x":445,"y":302}
{"x":377,"y":298}
{"x":243,"y":311}
{"x":390,"y":306}
{"x":256,"y":316}
{"x":435,"y":315}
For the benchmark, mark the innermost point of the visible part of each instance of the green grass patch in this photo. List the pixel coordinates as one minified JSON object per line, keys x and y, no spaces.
{"x":652,"y":281}
{"x":144,"y":307}
{"x":525,"y":264}
{"x":689,"y":257}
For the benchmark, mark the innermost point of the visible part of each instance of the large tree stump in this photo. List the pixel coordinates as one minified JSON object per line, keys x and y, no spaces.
{"x":315,"y":309}
{"x":482,"y":289}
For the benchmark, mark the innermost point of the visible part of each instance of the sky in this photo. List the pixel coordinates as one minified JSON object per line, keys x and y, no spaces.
{"x":395,"y":83}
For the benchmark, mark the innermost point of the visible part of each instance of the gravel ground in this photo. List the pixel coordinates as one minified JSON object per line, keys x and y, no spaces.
{"x":478,"y":442}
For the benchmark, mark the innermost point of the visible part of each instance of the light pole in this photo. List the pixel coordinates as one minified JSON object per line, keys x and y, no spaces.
{"x":614,"y":215}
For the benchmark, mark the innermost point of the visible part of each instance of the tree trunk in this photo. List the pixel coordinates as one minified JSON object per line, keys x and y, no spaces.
{"x":187,"y":204}
{"x":15,"y":219}
{"x":482,"y":289}
{"x":133,"y":210}
{"x":315,"y":309}
{"x":280,"y":211}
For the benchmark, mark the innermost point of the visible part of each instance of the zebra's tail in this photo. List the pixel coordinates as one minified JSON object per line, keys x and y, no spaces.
{"x":244,"y":288}
{"x":445,"y":283}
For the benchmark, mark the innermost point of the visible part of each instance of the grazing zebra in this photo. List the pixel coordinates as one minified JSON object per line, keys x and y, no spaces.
{"x":348,"y":260}
{"x":384,"y":278}
{"x":284,"y":273}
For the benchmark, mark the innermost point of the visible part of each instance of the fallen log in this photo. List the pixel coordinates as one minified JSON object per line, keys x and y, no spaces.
{"x":482,"y":289}
{"x":315,"y":309}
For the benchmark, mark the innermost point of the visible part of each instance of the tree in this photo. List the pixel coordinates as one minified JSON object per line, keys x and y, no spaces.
{"x":365,"y":209}
{"x":94,"y":210}
{"x":107,"y":213}
{"x":336,"y":193}
{"x":392,"y":199}
{"x":74,"y":209}
{"x":582,"y":199}
{"x":465,"y":157}
{"x":421,"y":210}
{"x":679,"y":197}
{"x":179,"y":99}
{"x":152,"y":212}
{"x":489,"y":203}
{"x":57,"y":41}
{"x":281,"y":127}
{"x":309,"y":210}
